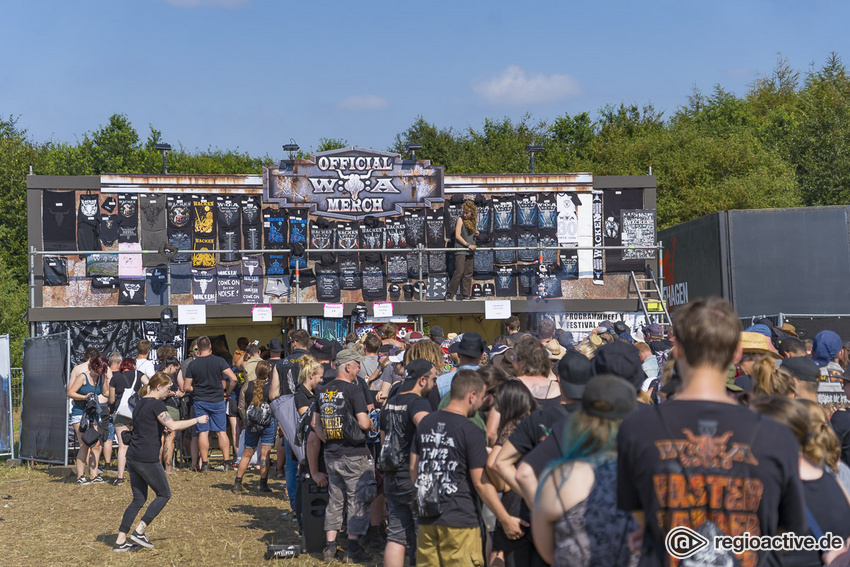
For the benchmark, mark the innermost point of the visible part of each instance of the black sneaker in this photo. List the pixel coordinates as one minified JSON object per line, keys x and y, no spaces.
{"x":83,"y":481}
{"x":358,"y":555}
{"x":118,"y":482}
{"x":126,"y":546}
{"x":98,"y":480}
{"x":330,"y":552}
{"x":141,"y":539}
{"x":205,"y":467}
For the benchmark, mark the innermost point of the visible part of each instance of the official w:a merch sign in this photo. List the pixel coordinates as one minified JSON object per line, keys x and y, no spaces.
{"x":353,"y":182}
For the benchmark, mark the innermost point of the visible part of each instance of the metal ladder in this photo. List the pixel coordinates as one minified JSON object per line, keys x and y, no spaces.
{"x":651,"y":298}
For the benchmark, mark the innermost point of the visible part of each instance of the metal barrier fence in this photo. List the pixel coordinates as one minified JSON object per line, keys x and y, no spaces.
{"x":17,"y":387}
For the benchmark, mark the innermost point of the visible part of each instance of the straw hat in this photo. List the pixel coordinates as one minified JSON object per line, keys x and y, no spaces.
{"x":556,"y":351}
{"x":788,"y":329}
{"x":756,"y":343}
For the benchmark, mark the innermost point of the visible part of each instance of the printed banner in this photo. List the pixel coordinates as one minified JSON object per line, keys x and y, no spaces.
{"x":597,"y":239}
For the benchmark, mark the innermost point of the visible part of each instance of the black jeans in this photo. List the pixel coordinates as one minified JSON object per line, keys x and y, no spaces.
{"x":142,"y":476}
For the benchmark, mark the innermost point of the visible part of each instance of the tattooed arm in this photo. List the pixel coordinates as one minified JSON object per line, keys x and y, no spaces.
{"x":165,"y":419}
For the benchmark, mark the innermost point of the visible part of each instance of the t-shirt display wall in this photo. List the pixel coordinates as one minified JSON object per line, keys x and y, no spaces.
{"x":286,"y":239}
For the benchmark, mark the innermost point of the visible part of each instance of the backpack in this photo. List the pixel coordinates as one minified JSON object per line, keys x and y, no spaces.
{"x":389,"y":459}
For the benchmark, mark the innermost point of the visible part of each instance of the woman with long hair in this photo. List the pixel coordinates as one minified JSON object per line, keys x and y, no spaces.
{"x":309,"y":377}
{"x":126,"y":377}
{"x":254,"y":394}
{"x":514,"y":403}
{"x":150,"y":418}
{"x":94,"y":381}
{"x":825,"y":498}
{"x":171,"y":366}
{"x":464,"y":237}
{"x":575,"y":520}
{"x":769,"y":379}
{"x":533,"y":368}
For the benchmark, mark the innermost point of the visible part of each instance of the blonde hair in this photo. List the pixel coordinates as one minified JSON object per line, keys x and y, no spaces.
{"x":158,"y":379}
{"x":309,"y":366}
{"x":587,"y":349}
{"x":428,"y":350}
{"x":823,"y":445}
{"x":770,"y":379}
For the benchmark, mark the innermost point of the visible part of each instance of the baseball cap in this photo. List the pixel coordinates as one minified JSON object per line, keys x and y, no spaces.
{"x":417,"y":368}
{"x":609,"y":397}
{"x":575,"y":370}
{"x":802,"y":368}
{"x":620,"y":359}
{"x":323,"y":348}
{"x":397,"y":355}
{"x":347,"y":355}
{"x":653,"y":329}
{"x":415,"y":336}
{"x":436,"y":332}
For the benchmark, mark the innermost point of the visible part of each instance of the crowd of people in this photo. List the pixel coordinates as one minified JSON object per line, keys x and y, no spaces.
{"x":533,"y":449}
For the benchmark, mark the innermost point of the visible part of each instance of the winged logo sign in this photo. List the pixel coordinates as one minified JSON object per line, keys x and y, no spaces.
{"x":353,"y":182}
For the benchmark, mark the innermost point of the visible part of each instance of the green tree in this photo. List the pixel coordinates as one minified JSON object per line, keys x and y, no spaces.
{"x":440,"y":146}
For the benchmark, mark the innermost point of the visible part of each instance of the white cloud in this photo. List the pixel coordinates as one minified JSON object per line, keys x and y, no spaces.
{"x":515,"y":85}
{"x":363,"y":102}
{"x":199,"y":3}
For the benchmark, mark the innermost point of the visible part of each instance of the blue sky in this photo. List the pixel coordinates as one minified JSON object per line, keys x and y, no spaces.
{"x":251,"y":74}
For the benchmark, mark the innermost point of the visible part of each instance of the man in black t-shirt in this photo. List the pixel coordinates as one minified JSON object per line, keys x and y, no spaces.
{"x":704,"y":462}
{"x":205,"y":379}
{"x":399,"y":418}
{"x":341,"y":420}
{"x":447,"y":461}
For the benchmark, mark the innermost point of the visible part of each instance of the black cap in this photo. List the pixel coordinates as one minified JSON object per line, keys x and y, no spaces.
{"x":109,"y":204}
{"x":275,"y":345}
{"x":436,"y":332}
{"x":470,"y":344}
{"x":394,"y":291}
{"x":575,"y":371}
{"x":385,"y":349}
{"x":802,"y":368}
{"x":620,"y":359}
{"x":297,"y":249}
{"x":415,"y":369}
{"x":609,"y":397}
{"x":324,"y":349}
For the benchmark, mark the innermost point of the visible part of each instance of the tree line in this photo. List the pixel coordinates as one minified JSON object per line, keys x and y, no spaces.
{"x":784,"y":143}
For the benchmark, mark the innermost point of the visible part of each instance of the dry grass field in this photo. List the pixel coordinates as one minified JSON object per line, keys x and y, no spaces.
{"x":45,"y":520}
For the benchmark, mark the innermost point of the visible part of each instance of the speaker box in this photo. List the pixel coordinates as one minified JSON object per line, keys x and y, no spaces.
{"x":314,"y":500}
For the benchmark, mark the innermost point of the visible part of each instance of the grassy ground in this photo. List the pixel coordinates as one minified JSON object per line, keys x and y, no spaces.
{"x":45,"y":520}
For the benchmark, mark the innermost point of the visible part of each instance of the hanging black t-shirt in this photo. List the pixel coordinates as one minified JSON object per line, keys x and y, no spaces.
{"x":108,"y":232}
{"x":526,"y":211}
{"x":434,"y":227}
{"x":228,"y":284}
{"x":55,"y":270}
{"x":396,"y":267}
{"x":274,"y":229}
{"x":182,"y":240}
{"x":179,"y":226}
{"x":252,"y":279}
{"x":156,"y":286}
{"x":228,"y":212}
{"x":527,"y":280}
{"x":568,"y":260}
{"x":413,"y":265}
{"x":327,"y":282}
{"x":505,"y":239}
{"x":298,"y":233}
{"x":146,"y":436}
{"x":58,"y":226}
{"x":414,"y":227}
{"x":449,"y":446}
{"x":321,"y":238}
{"x":438,"y":287}
{"x":206,"y":373}
{"x":506,"y":281}
{"x":276,"y":264}
{"x":333,"y":401}
{"x":746,"y":463}
{"x":131,"y":291}
{"x":128,"y":219}
{"x":230,"y":239}
{"x":548,"y":239}
{"x":152,"y":223}
{"x":527,"y":237}
{"x":484,"y":224}
{"x":503,"y":213}
{"x":547,"y":212}
{"x":251,"y":212}
{"x":252,"y":237}
{"x":203,"y":260}
{"x":397,"y":416}
{"x":203,"y":217}
{"x":451,"y":212}
{"x":371,"y":238}
{"x":181,"y":278}
{"x":349,"y":272}
{"x":88,"y":224}
{"x":374,"y":280}
{"x":483,"y":263}
{"x":396,"y":236}
{"x":203,"y":286}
